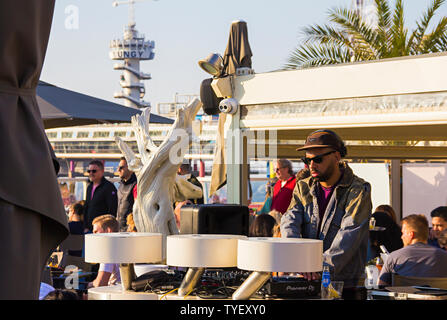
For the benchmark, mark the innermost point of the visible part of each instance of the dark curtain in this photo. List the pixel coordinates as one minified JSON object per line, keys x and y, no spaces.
{"x":33,"y":220}
{"x":238,"y":52}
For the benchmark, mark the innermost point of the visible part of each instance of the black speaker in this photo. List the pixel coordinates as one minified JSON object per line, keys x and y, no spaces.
{"x":208,"y":97}
{"x":214,"y":219}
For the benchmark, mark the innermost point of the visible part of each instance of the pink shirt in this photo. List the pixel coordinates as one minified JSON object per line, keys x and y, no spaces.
{"x":93,"y":190}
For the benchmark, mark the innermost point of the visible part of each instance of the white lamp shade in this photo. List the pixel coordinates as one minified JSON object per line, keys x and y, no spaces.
{"x":202,"y":250}
{"x":123,"y":247}
{"x":280,"y":255}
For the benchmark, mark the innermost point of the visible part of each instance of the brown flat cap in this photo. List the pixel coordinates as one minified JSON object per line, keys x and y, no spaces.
{"x":324,"y":139}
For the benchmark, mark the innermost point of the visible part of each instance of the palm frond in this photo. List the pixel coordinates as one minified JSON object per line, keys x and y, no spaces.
{"x":384,"y":24}
{"x":417,"y":37}
{"x":399,"y":32}
{"x":363,"y":39}
{"x":310,"y":55}
{"x":430,"y":41}
{"x":383,"y":14}
{"x":349,"y":38}
{"x":325,"y":34}
{"x":441,"y":44}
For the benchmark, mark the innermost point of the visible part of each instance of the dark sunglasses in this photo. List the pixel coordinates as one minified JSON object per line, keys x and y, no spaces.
{"x":317,"y":159}
{"x":121,"y":168}
{"x":91,"y":171}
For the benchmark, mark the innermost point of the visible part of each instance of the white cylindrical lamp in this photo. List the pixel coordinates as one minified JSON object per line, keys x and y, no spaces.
{"x":124,"y":248}
{"x":266,"y":255}
{"x":200,"y":251}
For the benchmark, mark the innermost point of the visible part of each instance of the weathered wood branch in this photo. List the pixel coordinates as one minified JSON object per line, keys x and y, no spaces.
{"x":158,"y":185}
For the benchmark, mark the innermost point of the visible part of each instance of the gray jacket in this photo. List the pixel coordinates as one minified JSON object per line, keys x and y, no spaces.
{"x":345,"y":225}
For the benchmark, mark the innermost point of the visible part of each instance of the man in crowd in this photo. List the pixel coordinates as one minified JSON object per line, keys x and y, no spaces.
{"x":283,"y":188}
{"x":108,"y":273}
{"x":101,"y":195}
{"x":416,"y":258}
{"x":439,"y":223}
{"x":332,"y":205}
{"x":125,"y":193}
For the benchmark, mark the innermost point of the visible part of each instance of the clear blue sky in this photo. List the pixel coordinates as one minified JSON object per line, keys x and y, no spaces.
{"x":184,"y":32}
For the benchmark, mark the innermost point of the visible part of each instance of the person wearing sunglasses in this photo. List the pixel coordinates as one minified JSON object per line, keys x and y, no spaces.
{"x":333,"y":205}
{"x":125,"y":194}
{"x":101,"y":197}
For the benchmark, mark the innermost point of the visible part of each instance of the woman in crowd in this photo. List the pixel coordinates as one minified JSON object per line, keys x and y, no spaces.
{"x":264,"y":225}
{"x":75,"y":218}
{"x":390,"y":237}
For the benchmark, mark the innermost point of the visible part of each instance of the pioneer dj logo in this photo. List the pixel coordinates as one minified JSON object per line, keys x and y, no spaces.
{"x":292,"y":288}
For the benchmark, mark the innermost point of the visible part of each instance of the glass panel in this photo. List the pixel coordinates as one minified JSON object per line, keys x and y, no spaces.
{"x":354,"y":106}
{"x":101,"y":134}
{"x":82,"y":134}
{"x":120,"y":133}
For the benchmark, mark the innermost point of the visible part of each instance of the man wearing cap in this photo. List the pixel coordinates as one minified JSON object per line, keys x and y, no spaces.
{"x":332,"y":205}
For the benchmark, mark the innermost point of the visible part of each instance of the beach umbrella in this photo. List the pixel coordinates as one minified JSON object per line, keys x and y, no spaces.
{"x":60,"y":107}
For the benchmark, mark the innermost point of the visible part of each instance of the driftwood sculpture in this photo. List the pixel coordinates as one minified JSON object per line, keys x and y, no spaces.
{"x":158,"y":185}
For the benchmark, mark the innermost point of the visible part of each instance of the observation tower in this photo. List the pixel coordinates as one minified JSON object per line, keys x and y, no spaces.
{"x":131,"y":49}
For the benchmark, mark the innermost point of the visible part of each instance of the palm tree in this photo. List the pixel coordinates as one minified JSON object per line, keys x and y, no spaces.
{"x":349,"y":38}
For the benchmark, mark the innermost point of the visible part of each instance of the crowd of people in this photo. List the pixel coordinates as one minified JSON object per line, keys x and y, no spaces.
{"x":417,"y":258}
{"x":325,"y":200}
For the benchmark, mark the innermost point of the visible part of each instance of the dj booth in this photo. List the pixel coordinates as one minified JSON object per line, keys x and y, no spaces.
{"x":213,"y":258}
{"x":215,"y":284}
{"x":220,"y":284}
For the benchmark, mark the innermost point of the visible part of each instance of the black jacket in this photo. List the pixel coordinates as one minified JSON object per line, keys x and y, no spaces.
{"x":125,"y":201}
{"x":390,"y":237}
{"x":104,"y":201}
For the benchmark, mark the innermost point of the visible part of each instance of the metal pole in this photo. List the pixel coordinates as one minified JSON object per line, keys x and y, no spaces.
{"x":253,"y":283}
{"x":127,"y":274}
{"x":190,"y":280}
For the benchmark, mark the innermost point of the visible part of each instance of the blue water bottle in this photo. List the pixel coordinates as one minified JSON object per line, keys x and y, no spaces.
{"x":325,"y":282}
{"x":326,"y":277}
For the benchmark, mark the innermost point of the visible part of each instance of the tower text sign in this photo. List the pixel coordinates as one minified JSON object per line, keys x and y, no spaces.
{"x":130,"y":54}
